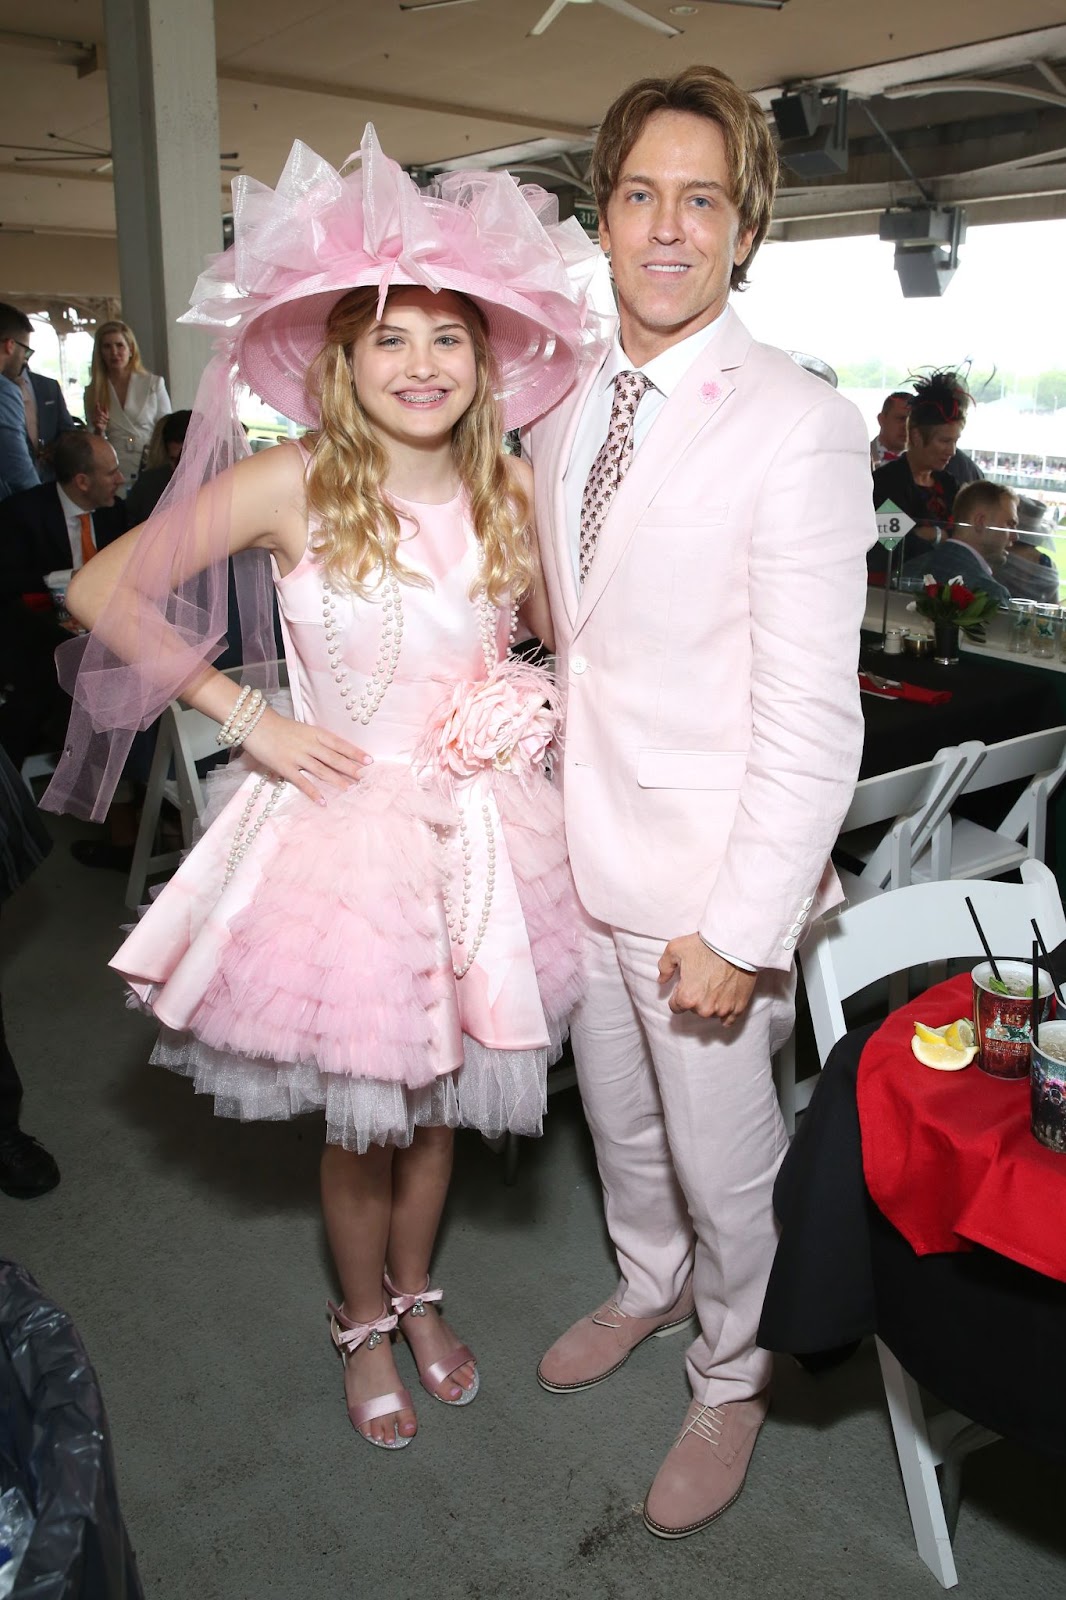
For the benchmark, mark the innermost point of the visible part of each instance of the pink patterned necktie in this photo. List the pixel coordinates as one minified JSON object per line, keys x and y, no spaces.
{"x":612,"y":462}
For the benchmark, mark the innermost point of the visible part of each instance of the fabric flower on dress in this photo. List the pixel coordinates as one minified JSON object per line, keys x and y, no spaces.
{"x":504,"y":723}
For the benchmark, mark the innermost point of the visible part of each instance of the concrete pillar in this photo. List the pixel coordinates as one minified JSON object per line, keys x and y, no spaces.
{"x":163,"y":96}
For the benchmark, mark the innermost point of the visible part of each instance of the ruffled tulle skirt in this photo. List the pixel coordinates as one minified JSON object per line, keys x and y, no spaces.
{"x":404,"y":956}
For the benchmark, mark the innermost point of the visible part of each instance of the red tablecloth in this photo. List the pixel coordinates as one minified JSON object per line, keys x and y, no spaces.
{"x":948,"y":1156}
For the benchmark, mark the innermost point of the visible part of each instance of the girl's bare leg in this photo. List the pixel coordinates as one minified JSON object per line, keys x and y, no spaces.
{"x":420,"y":1177}
{"x":357,"y":1207}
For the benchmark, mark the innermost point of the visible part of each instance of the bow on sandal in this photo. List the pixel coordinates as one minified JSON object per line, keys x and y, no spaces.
{"x":347,"y":1336}
{"x":434,"y":1373}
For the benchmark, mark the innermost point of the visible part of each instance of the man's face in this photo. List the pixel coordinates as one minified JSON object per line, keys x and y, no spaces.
{"x":673,"y":232}
{"x":893,"y":424}
{"x":100,"y":486}
{"x":16,"y":357}
{"x":993,"y":530}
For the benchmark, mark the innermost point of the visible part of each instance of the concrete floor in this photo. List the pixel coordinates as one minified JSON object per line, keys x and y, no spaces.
{"x":190,"y":1253}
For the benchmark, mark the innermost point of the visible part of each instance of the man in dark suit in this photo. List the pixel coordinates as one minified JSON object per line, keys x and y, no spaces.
{"x":59,"y":526}
{"x":53,"y":527}
{"x":46,"y":418}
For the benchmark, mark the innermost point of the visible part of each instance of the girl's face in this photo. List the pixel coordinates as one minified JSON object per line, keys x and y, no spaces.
{"x":415,"y":371}
{"x":115,"y":351}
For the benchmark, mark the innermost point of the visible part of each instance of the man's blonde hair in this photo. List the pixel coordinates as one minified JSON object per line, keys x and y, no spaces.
{"x":704,"y":92}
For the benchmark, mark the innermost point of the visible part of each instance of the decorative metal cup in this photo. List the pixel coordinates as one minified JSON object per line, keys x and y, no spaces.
{"x":1001,"y":1022}
{"x":1047,"y":1086}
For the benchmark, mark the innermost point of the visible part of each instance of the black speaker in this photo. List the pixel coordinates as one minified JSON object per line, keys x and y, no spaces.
{"x":824,"y":152}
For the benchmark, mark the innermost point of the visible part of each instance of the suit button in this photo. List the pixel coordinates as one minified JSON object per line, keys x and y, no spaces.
{"x":578,"y":664}
{"x":790,"y":942}
{"x":808,"y":903}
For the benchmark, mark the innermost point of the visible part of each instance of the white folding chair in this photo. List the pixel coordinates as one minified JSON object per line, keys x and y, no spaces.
{"x":917,"y":802}
{"x":974,"y":851}
{"x":845,"y":953}
{"x":185,"y":737}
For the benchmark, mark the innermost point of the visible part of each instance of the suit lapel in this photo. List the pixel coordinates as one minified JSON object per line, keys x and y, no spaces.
{"x":704,"y":389}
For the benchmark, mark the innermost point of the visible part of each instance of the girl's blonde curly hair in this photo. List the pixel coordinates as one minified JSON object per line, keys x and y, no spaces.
{"x":358,"y":538}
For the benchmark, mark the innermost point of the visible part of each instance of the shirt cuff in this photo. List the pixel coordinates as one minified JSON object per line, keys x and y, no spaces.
{"x":734,"y":961}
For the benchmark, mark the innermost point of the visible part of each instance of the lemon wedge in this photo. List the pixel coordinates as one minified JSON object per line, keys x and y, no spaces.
{"x":960,"y":1035}
{"x":931,"y":1048}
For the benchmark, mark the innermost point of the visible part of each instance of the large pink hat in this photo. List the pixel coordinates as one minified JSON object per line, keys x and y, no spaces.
{"x":300,"y":247}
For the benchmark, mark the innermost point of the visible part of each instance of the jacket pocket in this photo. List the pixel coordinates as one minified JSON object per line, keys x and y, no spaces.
{"x":691,"y":769}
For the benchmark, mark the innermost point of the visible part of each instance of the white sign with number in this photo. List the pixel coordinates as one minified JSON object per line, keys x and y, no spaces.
{"x":892,"y":524}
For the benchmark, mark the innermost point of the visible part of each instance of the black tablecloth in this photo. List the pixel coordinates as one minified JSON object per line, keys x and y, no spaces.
{"x":990,"y":700}
{"x":980,"y":1332}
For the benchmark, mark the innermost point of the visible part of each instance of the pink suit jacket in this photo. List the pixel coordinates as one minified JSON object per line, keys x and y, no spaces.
{"x":714,"y":729}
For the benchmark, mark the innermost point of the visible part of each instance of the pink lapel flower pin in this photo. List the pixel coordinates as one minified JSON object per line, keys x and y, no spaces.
{"x":710,"y":393}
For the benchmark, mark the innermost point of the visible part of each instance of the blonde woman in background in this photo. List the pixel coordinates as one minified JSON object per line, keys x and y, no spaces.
{"x":123,"y":402}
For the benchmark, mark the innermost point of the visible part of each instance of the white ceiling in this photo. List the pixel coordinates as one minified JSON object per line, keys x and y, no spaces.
{"x":449,"y":84}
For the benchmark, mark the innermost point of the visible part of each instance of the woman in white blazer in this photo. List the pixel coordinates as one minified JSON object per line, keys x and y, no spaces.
{"x":123,"y":402}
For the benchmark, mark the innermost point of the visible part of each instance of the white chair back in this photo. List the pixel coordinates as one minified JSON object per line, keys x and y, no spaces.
{"x":919,"y":798}
{"x":849,"y":950}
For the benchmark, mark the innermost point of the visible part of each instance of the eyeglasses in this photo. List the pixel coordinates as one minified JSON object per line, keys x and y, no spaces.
{"x":27,"y":347}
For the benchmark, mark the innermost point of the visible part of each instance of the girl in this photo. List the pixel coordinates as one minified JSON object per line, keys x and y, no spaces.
{"x":380,"y":922}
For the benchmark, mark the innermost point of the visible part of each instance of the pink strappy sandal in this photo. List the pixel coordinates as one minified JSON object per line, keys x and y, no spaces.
{"x":348,"y":1336}
{"x":434,"y":1374}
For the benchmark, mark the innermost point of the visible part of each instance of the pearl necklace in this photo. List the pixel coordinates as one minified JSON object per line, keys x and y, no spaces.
{"x":363,"y":708}
{"x":245,"y":835}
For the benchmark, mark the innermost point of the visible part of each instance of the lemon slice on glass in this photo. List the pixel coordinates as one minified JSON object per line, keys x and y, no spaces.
{"x":936,"y":1052}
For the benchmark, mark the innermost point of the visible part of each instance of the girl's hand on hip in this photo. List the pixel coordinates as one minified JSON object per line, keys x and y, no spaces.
{"x":307,"y":756}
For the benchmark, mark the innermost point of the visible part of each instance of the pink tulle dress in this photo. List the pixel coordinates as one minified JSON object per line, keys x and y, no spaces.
{"x":407,"y":954}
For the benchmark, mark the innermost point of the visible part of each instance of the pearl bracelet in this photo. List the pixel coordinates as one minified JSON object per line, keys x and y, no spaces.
{"x":250,"y":706}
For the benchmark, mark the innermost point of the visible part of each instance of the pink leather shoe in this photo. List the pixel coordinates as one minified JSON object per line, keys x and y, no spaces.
{"x":434,"y":1373}
{"x":348,"y":1336}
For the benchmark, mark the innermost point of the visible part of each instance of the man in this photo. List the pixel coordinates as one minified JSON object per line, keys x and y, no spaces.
{"x":17,"y":468}
{"x":1028,"y":570}
{"x":985,"y":517}
{"x":707,"y":600}
{"x":59,"y":525}
{"x":46,"y":418}
{"x":50,"y":528}
{"x":891,"y":439}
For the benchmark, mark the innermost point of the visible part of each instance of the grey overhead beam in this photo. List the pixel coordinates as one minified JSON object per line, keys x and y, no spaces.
{"x":1011,"y":52}
{"x":405,"y":102}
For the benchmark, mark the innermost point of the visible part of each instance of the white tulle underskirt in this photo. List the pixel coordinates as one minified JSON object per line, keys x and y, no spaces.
{"x":494,"y":1091}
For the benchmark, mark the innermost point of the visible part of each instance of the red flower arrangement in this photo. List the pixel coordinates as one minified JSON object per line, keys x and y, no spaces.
{"x":969,"y":609}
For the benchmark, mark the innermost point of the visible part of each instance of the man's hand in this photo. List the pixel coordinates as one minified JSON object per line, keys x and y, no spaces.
{"x":706,"y":982}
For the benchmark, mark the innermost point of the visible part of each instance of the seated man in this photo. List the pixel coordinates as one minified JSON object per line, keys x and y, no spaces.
{"x":60,"y":525}
{"x":985,"y":516}
{"x":1029,"y":571}
{"x":52,"y":527}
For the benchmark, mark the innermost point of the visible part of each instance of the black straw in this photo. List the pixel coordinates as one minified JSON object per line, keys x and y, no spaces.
{"x":1034,"y":1013}
{"x":984,"y":941}
{"x":1047,"y":961}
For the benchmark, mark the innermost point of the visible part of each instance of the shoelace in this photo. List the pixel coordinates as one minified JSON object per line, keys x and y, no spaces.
{"x":600,"y":1317}
{"x":706,"y":1425}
